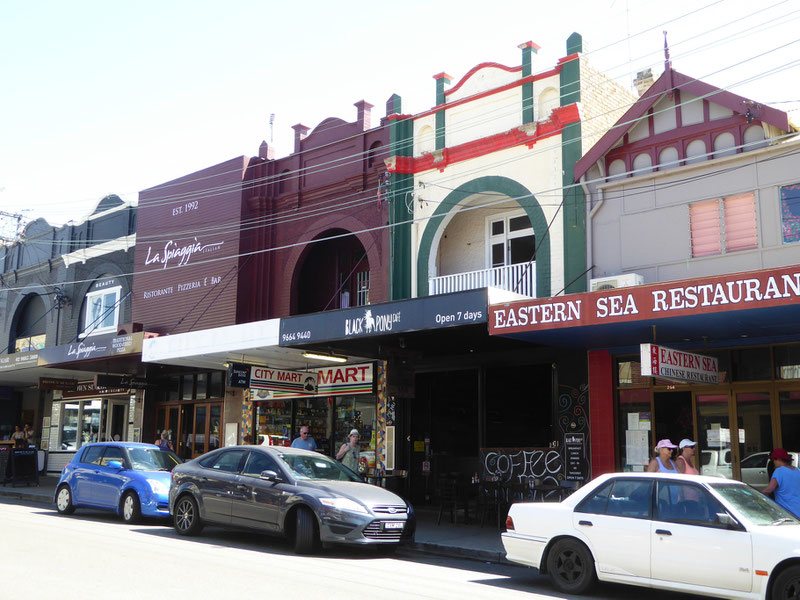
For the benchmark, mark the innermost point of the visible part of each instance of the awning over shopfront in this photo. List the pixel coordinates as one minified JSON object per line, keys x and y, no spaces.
{"x":112,"y":354}
{"x":249,"y":343}
{"x":743,"y":308}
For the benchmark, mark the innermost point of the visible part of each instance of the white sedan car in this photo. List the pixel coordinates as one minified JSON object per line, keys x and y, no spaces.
{"x":685,"y":533}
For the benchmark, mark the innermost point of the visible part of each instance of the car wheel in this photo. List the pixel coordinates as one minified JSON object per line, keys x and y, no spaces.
{"x":305,"y":534}
{"x":571,"y":567}
{"x":187,"y":516}
{"x":787,"y":585}
{"x":130,"y":508}
{"x":64,"y":500}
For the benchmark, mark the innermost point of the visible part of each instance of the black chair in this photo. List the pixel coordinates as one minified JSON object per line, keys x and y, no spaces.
{"x":449,"y":500}
{"x":492,"y":502}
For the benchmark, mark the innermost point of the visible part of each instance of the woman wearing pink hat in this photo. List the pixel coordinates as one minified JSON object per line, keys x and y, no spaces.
{"x":663,"y":462}
{"x":785,"y":482}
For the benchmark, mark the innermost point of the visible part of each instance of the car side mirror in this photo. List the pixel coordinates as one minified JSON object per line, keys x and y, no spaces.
{"x":727,"y":521}
{"x":271,"y":475}
{"x":115,"y":464}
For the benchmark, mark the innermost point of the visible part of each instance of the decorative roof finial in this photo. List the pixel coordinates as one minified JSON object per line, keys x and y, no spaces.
{"x":667,"y":61}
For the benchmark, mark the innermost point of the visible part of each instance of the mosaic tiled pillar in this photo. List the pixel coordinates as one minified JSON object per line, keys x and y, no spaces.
{"x":247,"y":417}
{"x":380,"y":449}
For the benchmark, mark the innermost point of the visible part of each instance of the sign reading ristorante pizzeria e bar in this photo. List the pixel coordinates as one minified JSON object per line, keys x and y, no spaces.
{"x":740,"y":291}
{"x":187,"y":242}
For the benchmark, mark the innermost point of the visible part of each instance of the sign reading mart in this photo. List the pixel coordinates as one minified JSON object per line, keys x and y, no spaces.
{"x":760,"y":289}
{"x":329,"y":381}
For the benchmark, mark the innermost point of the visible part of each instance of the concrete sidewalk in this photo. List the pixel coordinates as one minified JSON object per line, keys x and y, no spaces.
{"x":448,"y":539}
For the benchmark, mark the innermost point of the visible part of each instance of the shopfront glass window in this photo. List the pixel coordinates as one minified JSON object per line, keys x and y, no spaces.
{"x":314,"y":412}
{"x":201,"y":386}
{"x":90,"y":421}
{"x":215,"y":415}
{"x":751,"y":364}
{"x":273,"y":422}
{"x":629,"y":373}
{"x":352,"y":412}
{"x":787,"y":361}
{"x":173,"y":388}
{"x":635,"y":424}
{"x":790,"y":420}
{"x":215,"y":384}
{"x":714,"y":435}
{"x":69,"y":426}
{"x":755,"y":424}
{"x":790,"y":213}
{"x":187,"y":389}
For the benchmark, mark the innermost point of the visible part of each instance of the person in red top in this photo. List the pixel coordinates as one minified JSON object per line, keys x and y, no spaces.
{"x":685,"y":460}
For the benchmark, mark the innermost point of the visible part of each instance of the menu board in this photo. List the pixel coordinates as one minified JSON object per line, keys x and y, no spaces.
{"x":576,"y":467}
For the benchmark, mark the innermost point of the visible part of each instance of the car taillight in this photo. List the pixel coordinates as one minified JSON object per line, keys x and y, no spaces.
{"x":509,"y":524}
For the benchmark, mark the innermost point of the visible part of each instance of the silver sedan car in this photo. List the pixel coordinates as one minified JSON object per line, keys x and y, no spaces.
{"x":302,"y":495}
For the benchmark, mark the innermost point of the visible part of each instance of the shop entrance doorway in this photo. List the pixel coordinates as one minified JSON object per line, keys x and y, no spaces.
{"x":196,"y":427}
{"x":673,"y":416}
{"x":116,"y":422}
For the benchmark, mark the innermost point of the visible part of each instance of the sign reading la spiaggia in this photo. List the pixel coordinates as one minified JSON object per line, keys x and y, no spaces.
{"x":678,"y":365}
{"x":777,"y":287}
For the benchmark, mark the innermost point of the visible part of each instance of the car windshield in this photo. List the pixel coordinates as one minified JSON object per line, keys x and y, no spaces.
{"x":152,"y":459}
{"x":759,"y":509}
{"x":305,"y":466}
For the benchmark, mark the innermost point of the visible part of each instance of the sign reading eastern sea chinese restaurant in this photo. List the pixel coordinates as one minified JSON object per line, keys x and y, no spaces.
{"x":678,"y":365}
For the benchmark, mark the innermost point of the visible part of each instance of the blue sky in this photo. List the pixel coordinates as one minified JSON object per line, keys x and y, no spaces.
{"x":108,"y":97}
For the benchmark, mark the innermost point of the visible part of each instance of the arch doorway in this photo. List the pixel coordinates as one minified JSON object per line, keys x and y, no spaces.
{"x":333,"y":273}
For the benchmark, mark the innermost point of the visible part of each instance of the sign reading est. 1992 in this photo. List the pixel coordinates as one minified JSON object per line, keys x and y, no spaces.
{"x":667,"y":363}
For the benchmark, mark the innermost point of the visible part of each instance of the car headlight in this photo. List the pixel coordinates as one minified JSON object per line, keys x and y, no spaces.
{"x":344,"y":504}
{"x":158,"y":486}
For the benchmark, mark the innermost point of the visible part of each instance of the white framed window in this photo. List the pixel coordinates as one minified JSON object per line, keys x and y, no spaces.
{"x":509,"y":239}
{"x":101,"y":312}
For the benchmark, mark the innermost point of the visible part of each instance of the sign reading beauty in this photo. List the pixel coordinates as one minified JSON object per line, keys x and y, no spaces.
{"x":186,"y":250}
{"x":667,"y":363}
{"x":760,"y":289}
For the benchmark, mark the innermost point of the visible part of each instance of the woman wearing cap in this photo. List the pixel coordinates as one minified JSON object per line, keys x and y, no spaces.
{"x":785,"y":482}
{"x":685,"y":460}
{"x":663,"y":461}
{"x":349,"y":451}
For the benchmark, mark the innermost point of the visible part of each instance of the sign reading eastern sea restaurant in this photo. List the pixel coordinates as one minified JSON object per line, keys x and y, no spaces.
{"x":740,"y":291}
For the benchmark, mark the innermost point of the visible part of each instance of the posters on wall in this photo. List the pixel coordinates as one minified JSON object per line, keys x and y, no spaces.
{"x":637,"y":440}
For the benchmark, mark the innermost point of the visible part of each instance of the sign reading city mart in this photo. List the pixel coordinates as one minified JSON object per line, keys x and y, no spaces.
{"x":740,"y":291}
{"x":330,"y":381}
{"x":678,"y":365}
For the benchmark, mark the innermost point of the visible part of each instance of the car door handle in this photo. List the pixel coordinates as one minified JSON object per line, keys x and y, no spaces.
{"x":244,"y":488}
{"x":586,"y":523}
{"x":202,"y":479}
{"x":663,"y":532}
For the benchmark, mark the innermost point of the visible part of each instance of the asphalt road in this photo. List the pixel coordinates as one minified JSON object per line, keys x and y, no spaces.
{"x":94,"y":555}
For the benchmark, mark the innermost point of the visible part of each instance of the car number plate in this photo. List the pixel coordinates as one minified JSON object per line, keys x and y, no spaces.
{"x":393,"y":525}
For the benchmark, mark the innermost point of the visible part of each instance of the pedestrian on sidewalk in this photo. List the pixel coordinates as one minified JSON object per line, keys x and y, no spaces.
{"x":350,"y":451}
{"x":785,"y":482}
{"x":663,"y":460}
{"x":305,"y":441}
{"x":685,"y":460}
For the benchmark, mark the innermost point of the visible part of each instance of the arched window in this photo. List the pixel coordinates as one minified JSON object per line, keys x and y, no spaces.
{"x":724,"y":145}
{"x":29,"y":332}
{"x":426,"y":141}
{"x":373,"y":152}
{"x":668,"y":158}
{"x":283,"y":181}
{"x":548,"y":100}
{"x":642,"y":164}
{"x":696,"y":152}
{"x":616,"y":170}
{"x":752,"y":136}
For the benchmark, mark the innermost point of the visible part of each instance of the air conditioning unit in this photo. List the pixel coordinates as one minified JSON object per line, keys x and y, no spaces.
{"x":618,"y":281}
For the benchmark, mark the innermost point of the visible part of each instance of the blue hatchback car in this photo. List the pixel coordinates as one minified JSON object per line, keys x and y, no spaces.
{"x":128,"y":478}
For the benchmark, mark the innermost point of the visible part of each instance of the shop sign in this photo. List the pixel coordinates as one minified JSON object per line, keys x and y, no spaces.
{"x":345,"y":380}
{"x":761,"y":289}
{"x":56,"y":383}
{"x":431,"y":312}
{"x":91,"y":348}
{"x":280,"y":383}
{"x":238,"y":375}
{"x":86,"y":389}
{"x":575,"y":463}
{"x":23,"y":360}
{"x":130,"y":382}
{"x":678,"y":365}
